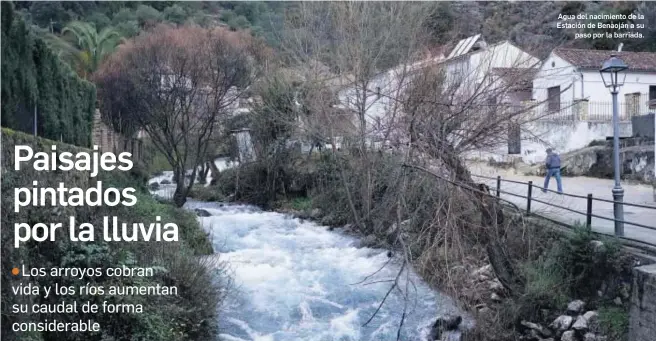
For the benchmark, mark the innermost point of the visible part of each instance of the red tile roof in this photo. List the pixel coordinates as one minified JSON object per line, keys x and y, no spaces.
{"x":592,"y":59}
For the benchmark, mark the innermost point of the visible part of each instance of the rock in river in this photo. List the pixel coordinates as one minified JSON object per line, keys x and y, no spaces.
{"x":443,"y":324}
{"x":202,"y":213}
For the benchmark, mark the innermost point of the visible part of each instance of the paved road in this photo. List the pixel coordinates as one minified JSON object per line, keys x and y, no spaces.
{"x":600,"y":188}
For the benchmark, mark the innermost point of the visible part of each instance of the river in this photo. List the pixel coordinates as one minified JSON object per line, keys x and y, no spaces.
{"x":296,"y":280}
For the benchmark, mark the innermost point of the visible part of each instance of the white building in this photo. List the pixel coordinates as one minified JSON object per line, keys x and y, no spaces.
{"x":381,"y":95}
{"x":473,"y":62}
{"x":568,"y":76}
{"x":572,"y":107}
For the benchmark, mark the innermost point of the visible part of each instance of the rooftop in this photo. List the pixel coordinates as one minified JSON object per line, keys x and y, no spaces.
{"x":520,"y":77}
{"x":592,"y":59}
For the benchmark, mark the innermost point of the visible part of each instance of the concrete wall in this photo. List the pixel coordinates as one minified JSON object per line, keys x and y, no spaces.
{"x":564,"y":136}
{"x":642,"y":322}
{"x":643,"y":126}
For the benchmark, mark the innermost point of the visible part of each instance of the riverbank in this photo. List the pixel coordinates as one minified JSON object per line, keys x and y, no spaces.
{"x":546,"y":264}
{"x":322,"y":283}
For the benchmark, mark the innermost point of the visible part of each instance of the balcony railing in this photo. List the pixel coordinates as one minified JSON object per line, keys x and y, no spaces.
{"x":593,"y":111}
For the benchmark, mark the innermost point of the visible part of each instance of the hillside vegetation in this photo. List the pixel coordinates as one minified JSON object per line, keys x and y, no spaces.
{"x":35,"y":79}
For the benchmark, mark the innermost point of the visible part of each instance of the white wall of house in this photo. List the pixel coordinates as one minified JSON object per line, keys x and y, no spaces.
{"x":381,"y":94}
{"x":562,"y":137}
{"x":475,"y":67}
{"x":555,"y":71}
{"x":584,"y":84}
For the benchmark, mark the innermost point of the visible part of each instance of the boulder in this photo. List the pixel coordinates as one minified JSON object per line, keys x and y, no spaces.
{"x":494,"y":297}
{"x":483,"y":273}
{"x":153,"y":186}
{"x":369,"y":241}
{"x":568,"y":336}
{"x":625,"y":290}
{"x":575,"y":307}
{"x":496,"y":286}
{"x":581,"y":324}
{"x":315,"y":213}
{"x":597,"y":245}
{"x":165,"y":182}
{"x":329,"y":220}
{"x":593,"y":337}
{"x":617,"y":301}
{"x":538,"y":329}
{"x":562,"y":323}
{"x":393,"y":230}
{"x":202,"y":213}
{"x":592,"y":318}
{"x":444,"y":324}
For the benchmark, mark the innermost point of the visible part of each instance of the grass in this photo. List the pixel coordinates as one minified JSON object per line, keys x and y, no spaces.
{"x":614,"y":322}
{"x":207,"y":193}
{"x":158,"y":163}
{"x":302,"y":204}
{"x":296,"y":204}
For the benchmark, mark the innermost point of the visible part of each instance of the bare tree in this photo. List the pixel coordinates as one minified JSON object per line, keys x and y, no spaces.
{"x":348,"y":48}
{"x":178,"y":85}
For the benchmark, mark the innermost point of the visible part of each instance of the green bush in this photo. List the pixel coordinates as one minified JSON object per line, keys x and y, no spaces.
{"x":614,"y":322}
{"x":545,"y":288}
{"x":207,"y":193}
{"x":586,"y":265}
{"x":34,"y":77}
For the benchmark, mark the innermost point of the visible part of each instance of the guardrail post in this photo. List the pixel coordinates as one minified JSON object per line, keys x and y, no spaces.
{"x":588,"y":216}
{"x":498,"y":186}
{"x":528,"y":198}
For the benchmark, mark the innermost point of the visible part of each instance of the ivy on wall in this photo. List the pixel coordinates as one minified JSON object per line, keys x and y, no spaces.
{"x":33,"y":76}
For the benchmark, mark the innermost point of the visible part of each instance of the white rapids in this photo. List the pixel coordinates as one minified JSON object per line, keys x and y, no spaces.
{"x":296,"y":280}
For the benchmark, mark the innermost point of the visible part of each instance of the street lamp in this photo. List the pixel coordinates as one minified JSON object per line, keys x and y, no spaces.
{"x":610,"y":75}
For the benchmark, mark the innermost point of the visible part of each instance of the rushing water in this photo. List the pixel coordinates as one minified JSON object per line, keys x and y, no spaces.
{"x":295,"y":280}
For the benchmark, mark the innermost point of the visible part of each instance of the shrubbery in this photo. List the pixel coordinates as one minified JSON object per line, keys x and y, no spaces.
{"x":571,"y":267}
{"x":34,"y":76}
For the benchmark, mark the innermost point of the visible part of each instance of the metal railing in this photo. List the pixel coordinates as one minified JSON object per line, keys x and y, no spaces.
{"x":594,"y":111}
{"x":588,"y":214}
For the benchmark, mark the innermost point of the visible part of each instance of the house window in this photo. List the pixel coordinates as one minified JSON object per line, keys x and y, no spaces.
{"x":632,"y":104}
{"x":553,"y":99}
{"x":652,"y":96}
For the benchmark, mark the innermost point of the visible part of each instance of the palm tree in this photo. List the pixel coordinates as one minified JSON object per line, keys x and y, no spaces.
{"x":85,"y":47}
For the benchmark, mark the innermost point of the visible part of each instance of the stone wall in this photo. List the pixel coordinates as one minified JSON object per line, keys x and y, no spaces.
{"x":642,"y":325}
{"x":108,"y":140}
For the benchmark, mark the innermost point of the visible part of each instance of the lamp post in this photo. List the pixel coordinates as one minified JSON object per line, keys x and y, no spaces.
{"x":610,"y":75}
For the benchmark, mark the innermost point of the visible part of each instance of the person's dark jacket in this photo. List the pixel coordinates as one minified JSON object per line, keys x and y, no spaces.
{"x":553,"y":161}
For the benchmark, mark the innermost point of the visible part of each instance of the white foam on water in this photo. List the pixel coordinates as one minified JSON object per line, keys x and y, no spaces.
{"x":298,"y":281}
{"x":166,"y":190}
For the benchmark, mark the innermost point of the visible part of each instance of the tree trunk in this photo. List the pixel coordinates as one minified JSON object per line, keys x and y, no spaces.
{"x":215,"y":172}
{"x":180,"y":195}
{"x":503,"y":268}
{"x":204,"y":170}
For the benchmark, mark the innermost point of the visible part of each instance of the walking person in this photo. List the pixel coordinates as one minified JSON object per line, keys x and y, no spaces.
{"x":553,"y":169}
